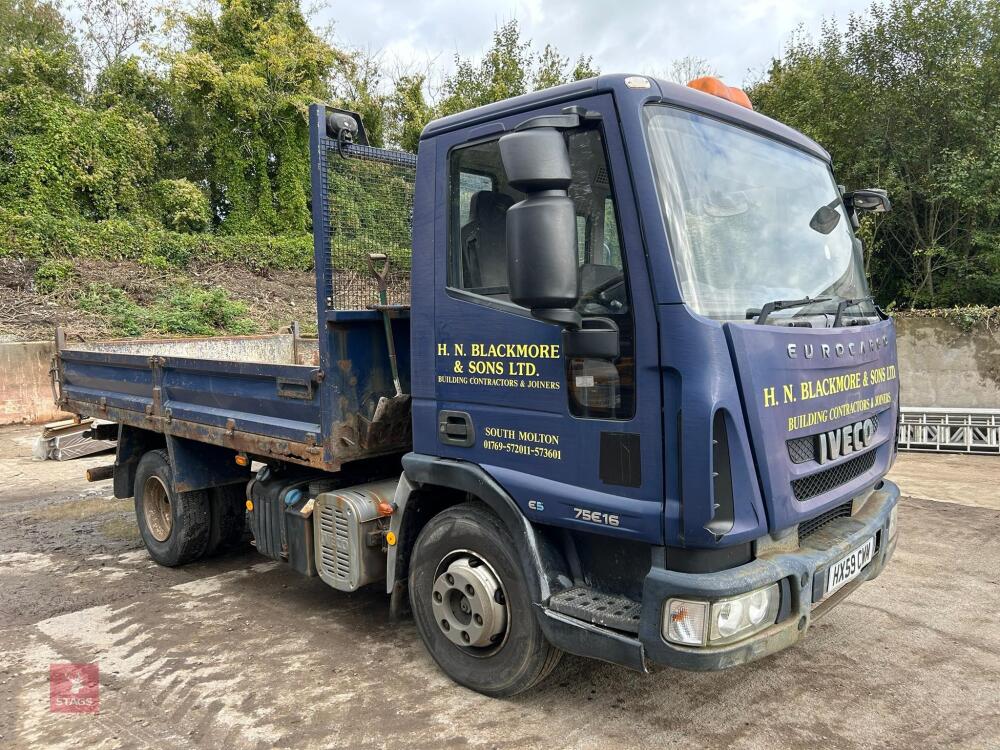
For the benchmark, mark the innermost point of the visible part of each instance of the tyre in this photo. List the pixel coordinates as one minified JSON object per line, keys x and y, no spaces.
{"x":174,"y":526}
{"x":471,"y":604}
{"x":228,"y":519}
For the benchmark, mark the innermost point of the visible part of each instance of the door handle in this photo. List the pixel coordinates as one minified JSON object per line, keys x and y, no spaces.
{"x":455,"y":428}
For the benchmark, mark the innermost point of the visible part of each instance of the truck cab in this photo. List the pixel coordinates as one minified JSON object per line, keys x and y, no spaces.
{"x":597,"y":371}
{"x":700,"y":453}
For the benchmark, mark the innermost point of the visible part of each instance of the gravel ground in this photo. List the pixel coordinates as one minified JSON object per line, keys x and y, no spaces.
{"x":239,"y":652}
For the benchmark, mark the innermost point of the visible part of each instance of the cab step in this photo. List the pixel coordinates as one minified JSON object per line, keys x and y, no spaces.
{"x":590,"y":605}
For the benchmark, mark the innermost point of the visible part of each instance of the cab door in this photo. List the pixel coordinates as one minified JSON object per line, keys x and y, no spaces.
{"x":576,"y":442}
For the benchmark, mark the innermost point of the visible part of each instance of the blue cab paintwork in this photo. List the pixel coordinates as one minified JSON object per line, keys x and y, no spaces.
{"x":687,"y":366}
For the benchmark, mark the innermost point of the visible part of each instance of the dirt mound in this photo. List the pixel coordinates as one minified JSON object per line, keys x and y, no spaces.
{"x":31,"y":307}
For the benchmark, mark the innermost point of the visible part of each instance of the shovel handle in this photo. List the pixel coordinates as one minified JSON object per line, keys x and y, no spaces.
{"x":381,"y":274}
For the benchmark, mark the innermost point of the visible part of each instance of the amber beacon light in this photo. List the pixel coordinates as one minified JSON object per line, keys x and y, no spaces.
{"x":712,"y":85}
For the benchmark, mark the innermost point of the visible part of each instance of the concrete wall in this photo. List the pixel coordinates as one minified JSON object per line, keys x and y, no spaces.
{"x":25,"y":394}
{"x":278,"y":348}
{"x":941,"y":365}
{"x":275,"y":349}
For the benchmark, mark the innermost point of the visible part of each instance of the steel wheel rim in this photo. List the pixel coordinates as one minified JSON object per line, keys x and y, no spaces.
{"x":156,"y":509}
{"x":470,"y":604}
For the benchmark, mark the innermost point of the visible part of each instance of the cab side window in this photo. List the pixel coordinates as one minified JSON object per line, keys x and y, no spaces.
{"x":479,"y":197}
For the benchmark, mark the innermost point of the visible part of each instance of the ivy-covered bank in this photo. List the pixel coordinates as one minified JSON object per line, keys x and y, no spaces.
{"x":144,"y":144}
{"x":45,"y":237}
{"x":152,"y":142}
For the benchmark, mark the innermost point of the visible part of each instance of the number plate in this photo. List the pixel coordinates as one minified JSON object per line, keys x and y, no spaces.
{"x":846,"y":569}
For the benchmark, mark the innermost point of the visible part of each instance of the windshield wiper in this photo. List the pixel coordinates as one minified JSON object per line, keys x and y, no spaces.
{"x":784,"y":304}
{"x":844,"y":304}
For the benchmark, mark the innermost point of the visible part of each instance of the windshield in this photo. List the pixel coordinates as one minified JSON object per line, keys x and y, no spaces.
{"x":750,"y":220}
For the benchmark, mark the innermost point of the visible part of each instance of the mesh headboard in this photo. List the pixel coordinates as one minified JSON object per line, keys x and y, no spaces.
{"x":366,"y":196}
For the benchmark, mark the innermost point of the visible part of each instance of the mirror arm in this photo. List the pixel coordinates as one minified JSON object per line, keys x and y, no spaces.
{"x":568,"y":319}
{"x":571,"y":118}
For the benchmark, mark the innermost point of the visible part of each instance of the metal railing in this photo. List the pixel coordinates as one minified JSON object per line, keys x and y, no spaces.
{"x":950,"y":430}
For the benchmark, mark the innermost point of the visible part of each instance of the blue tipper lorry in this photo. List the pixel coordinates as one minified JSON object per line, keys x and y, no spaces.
{"x":629,"y":397}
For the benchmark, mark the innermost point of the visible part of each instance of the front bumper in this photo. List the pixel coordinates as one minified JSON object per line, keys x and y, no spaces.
{"x":799,"y":573}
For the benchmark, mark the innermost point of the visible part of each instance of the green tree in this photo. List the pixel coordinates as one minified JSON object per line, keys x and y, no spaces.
{"x":409,"y":111}
{"x":905,"y":98}
{"x":111,"y":28}
{"x":359,"y":88}
{"x":504,"y":71}
{"x":241,"y":88}
{"x":37,"y":48}
{"x":584,"y":68}
{"x":129,"y":85}
{"x":508,"y":68}
{"x":62,"y":157}
{"x":551,"y":68}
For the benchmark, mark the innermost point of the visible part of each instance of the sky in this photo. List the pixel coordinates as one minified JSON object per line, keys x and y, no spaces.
{"x":737,"y":37}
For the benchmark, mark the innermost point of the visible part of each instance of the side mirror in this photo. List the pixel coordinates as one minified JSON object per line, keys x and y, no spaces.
{"x":541,"y":229}
{"x":870,"y":199}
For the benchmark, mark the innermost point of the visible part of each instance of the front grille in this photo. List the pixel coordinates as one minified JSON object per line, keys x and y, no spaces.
{"x":828,"y":479}
{"x":807,"y":528}
{"x":802,"y":449}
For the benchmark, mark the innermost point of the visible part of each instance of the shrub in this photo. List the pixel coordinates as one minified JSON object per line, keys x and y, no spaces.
{"x":182,"y":206}
{"x":186,"y":310}
{"x":200,"y":312}
{"x":41,"y":235}
{"x":52,"y":274}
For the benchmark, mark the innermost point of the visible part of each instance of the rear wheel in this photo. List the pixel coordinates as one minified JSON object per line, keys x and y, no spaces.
{"x":471,"y":604}
{"x":174,"y":526}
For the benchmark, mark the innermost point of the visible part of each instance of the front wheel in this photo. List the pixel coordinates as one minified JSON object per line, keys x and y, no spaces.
{"x":471,"y":604}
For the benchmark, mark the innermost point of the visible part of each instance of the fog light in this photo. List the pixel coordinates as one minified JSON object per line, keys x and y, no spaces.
{"x":892,"y":521}
{"x":741,"y":616}
{"x":684,"y":622}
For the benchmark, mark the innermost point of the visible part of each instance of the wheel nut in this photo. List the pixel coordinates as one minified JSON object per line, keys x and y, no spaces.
{"x":437,"y":597}
{"x":445,"y":625}
{"x":469,"y":590}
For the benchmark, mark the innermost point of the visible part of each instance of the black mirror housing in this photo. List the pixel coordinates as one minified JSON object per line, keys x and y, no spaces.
{"x":869,"y":199}
{"x":541,"y":229}
{"x":541,"y":252}
{"x":536,"y":159}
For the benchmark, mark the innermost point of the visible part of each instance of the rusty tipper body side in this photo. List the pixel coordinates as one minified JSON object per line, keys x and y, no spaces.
{"x":620,"y":390}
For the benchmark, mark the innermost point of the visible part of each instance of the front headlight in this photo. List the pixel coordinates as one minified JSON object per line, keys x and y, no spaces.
{"x":700,"y":623}
{"x":741,"y":616}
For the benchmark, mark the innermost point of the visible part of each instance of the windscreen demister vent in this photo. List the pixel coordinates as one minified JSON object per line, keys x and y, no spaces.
{"x":723,"y":510}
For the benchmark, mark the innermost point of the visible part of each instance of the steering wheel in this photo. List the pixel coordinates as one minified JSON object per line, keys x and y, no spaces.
{"x":599,"y":293}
